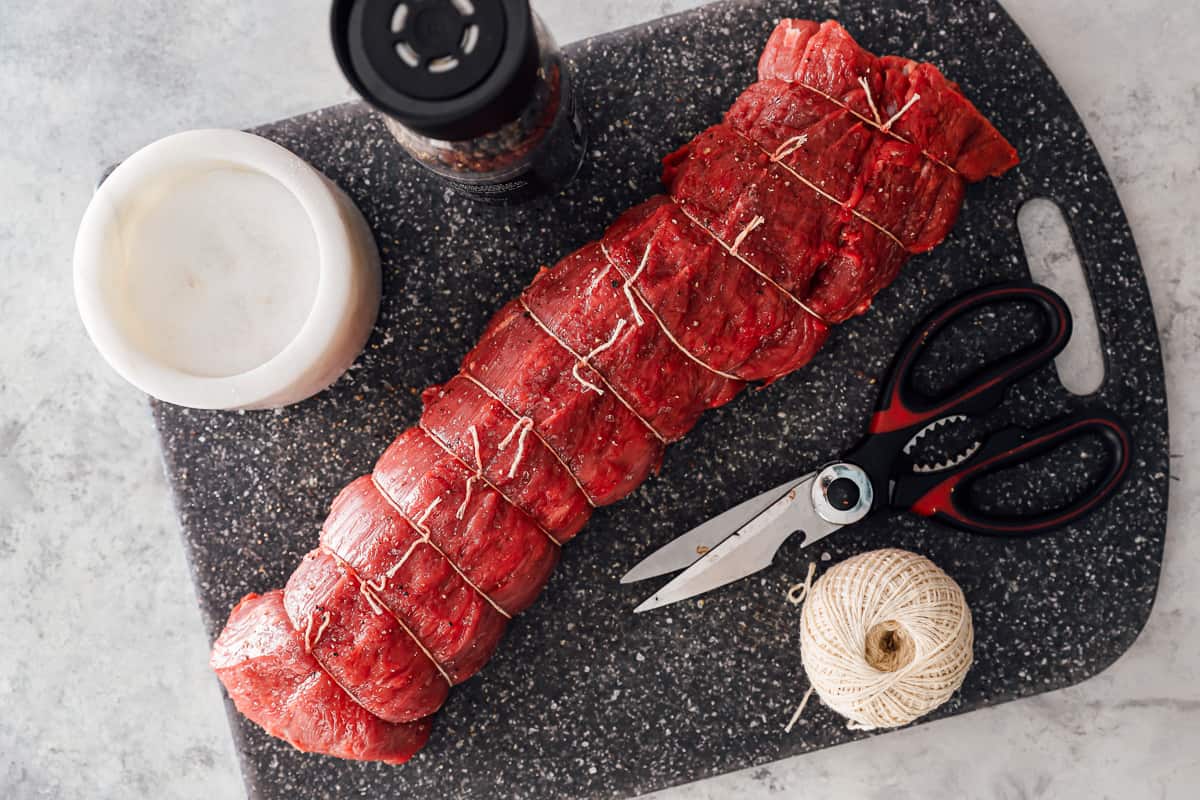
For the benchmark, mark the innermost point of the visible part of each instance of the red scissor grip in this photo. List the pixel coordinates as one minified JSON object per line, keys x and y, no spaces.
{"x":902,"y":407}
{"x":947,"y":496}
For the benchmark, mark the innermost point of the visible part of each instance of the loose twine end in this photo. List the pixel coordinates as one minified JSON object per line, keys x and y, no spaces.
{"x":885,"y":127}
{"x":798,"y":592}
{"x":862,"y":81}
{"x":799,"y":710}
{"x":796,"y":595}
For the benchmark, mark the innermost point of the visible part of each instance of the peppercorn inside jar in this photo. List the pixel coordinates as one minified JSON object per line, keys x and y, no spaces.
{"x":476,"y":91}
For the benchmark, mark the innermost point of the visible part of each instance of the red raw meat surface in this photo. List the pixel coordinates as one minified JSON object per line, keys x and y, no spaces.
{"x":261,"y":660}
{"x":538,"y":482}
{"x":728,"y":317}
{"x":364,"y":648}
{"x":496,"y":546}
{"x":447,"y":615}
{"x":824,"y":177}
{"x":603,"y":443}
{"x":582,"y":304}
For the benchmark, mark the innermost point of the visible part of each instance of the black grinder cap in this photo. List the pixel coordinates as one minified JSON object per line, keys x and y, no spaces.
{"x":447,"y":69}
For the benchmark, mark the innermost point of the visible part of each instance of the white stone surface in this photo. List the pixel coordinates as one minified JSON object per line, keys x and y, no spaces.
{"x":104,"y":690}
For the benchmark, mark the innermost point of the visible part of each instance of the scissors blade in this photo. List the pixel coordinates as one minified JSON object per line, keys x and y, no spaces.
{"x":749,"y":549}
{"x":685,"y":550}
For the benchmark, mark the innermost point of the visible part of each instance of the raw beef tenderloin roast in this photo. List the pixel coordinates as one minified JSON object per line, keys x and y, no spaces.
{"x":784,"y":219}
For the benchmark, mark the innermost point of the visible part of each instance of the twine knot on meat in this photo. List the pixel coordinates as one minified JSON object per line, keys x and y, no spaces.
{"x":885,"y":638}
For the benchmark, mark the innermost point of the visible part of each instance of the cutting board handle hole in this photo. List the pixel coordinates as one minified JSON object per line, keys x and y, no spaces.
{"x":1054,"y":261}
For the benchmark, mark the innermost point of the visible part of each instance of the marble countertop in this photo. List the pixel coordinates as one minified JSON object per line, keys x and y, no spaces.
{"x":104,"y":688}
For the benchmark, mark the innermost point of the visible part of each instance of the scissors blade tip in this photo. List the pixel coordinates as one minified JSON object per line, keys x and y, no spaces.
{"x":656,"y":600}
{"x":640,"y":572}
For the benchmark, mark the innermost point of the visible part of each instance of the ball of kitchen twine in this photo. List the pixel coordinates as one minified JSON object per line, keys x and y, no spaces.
{"x":885,"y":637}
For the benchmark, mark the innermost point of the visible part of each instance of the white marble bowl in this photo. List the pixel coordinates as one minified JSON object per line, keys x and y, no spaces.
{"x":329,"y":327}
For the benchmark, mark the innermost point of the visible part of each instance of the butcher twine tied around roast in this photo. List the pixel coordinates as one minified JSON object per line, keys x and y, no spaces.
{"x":575,"y":387}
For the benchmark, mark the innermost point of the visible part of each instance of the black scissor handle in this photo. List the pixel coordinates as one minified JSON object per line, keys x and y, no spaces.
{"x":902,"y":407}
{"x":946,"y":496}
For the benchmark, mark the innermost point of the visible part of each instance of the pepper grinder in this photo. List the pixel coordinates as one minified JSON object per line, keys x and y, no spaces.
{"x":476,"y":91}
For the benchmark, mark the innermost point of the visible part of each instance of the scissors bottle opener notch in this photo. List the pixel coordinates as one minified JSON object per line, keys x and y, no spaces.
{"x":880,"y":471}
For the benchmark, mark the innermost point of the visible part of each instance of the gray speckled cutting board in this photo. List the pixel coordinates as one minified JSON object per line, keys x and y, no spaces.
{"x":584,"y":699}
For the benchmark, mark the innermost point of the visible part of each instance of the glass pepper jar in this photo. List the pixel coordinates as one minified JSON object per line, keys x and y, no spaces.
{"x":476,"y":91}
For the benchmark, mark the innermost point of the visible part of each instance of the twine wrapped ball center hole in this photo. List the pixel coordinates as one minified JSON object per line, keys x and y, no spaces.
{"x":889,"y":646}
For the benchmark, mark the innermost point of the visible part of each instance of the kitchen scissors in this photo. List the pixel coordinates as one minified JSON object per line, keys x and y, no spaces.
{"x":879,"y":472}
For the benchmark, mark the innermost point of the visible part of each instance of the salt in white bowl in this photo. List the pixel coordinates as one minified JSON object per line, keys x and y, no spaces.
{"x":216,"y":269}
